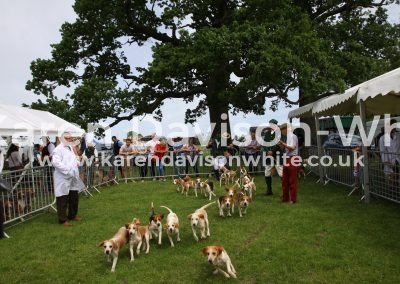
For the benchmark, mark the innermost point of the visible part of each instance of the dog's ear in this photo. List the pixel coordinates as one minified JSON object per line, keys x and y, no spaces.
{"x":227,"y":189}
{"x":205,"y":250}
{"x":101,"y":244}
{"x":126,"y":225}
{"x":219,"y":249}
{"x":190,"y":216}
{"x":201,"y":215}
{"x":250,"y":199}
{"x":176,"y":225}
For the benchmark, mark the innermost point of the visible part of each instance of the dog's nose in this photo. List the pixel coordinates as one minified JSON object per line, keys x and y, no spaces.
{"x":210,"y":261}
{"x":107,"y":252}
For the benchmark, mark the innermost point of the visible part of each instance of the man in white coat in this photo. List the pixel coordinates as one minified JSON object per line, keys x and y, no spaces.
{"x":67,"y":183}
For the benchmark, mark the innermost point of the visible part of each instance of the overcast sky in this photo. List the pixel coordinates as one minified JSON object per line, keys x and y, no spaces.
{"x":27,"y":29}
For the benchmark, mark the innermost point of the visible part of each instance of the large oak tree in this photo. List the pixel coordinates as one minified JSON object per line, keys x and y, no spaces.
{"x":230,"y":55}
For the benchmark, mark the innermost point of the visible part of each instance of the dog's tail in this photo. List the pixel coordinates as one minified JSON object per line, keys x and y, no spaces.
{"x":170,"y":211}
{"x":207,"y":205}
{"x":152,"y":208}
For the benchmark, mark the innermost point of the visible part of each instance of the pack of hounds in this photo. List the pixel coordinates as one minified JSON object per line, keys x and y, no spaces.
{"x":239,"y":189}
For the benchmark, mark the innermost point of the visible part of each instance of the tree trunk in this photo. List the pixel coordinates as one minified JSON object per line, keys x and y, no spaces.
{"x":219,"y":117}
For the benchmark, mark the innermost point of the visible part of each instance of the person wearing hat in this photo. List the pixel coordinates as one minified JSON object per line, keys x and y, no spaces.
{"x":272,"y":154}
{"x":127,"y":151}
{"x":67,"y":183}
{"x":290,"y":166}
{"x":220,"y":147}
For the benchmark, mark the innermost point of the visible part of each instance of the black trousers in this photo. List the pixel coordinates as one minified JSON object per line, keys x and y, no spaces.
{"x":67,"y":206}
{"x":1,"y":220}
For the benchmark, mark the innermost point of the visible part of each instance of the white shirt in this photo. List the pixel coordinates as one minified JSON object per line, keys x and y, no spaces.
{"x":389,"y":148}
{"x":151,"y":144}
{"x":66,"y":173}
{"x":291,"y":140}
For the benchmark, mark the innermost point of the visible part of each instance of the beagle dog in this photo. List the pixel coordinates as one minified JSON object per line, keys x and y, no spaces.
{"x":114,"y":245}
{"x":21,"y":202}
{"x":230,"y":174}
{"x":137,"y":234}
{"x":172,"y":226}
{"x":199,"y":221}
{"x":242,"y":201}
{"x":155,"y":225}
{"x":208,"y":188}
{"x":225,"y":204}
{"x":179,"y":183}
{"x":8,"y":208}
{"x":249,"y":187}
{"x":219,"y":258}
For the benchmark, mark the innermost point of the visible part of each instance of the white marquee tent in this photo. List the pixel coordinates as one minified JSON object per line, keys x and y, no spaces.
{"x":21,"y":121}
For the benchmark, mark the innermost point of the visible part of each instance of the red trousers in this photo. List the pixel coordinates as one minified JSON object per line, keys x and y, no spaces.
{"x":289,"y":180}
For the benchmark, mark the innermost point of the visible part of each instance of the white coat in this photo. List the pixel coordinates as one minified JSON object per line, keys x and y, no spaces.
{"x":66,"y":173}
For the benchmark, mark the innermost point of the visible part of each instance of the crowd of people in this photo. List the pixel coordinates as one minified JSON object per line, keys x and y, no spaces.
{"x":67,"y":175}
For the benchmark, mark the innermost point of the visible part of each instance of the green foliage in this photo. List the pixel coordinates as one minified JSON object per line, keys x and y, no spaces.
{"x":327,"y":237}
{"x":230,"y":55}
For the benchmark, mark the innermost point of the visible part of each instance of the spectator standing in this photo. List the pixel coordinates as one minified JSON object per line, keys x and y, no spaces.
{"x":37,"y":155}
{"x":178,"y":157}
{"x":47,"y":152}
{"x":159,"y":151}
{"x":290,"y":166}
{"x":192,"y":155}
{"x":127,"y":152}
{"x":151,"y":144}
{"x":67,"y":182}
{"x":90,"y":158}
{"x":1,"y":160}
{"x":389,"y":148}
{"x":251,"y":153}
{"x":15,"y":164}
{"x":273,"y":154}
{"x":14,"y":158}
{"x":115,"y":163}
{"x":219,"y":147}
{"x":141,"y":158}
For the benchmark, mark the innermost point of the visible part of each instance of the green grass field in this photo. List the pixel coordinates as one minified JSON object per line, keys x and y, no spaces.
{"x":326,"y":237}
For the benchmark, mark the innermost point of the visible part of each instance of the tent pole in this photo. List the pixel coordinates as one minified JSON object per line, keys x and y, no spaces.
{"x":365,"y":155}
{"x":319,"y":147}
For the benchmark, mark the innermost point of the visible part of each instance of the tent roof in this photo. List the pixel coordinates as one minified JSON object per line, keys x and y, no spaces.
{"x":16,"y":119}
{"x":380,"y":94}
{"x":337,"y":104}
{"x":303,"y":111}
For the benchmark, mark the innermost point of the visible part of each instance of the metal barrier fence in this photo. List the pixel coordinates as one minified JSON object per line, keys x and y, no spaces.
{"x":340,"y":166}
{"x":32,"y":192}
{"x":33,"y":187}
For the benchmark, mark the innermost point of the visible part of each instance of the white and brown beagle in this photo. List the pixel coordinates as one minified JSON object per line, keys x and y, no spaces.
{"x":172,"y":226}
{"x":137,"y":234}
{"x":199,"y":222}
{"x":114,"y":245}
{"x":219,"y":258}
